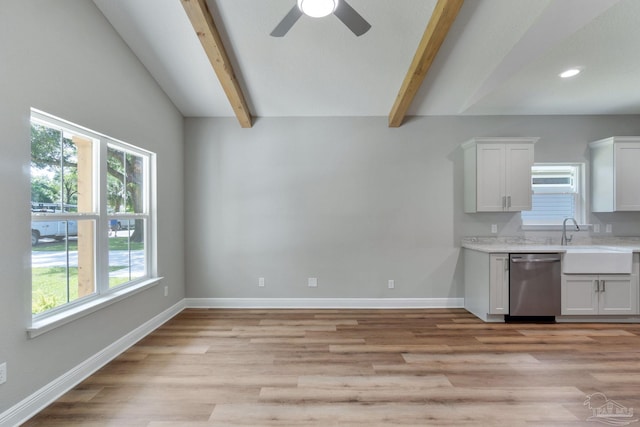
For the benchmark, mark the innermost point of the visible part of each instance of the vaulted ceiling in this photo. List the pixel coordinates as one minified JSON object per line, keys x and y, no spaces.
{"x":500,"y":57}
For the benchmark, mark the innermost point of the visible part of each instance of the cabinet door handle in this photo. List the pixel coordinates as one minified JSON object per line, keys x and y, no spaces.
{"x":597,"y":285}
{"x":506,"y":264}
{"x":508,"y":201}
{"x":603,"y":288}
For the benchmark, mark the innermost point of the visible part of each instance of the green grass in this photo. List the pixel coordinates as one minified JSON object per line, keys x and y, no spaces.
{"x":115,"y":244}
{"x":49,"y":286}
{"x":120,"y":244}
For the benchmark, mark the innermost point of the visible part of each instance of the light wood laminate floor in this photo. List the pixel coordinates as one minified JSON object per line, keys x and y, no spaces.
{"x":210,"y":367}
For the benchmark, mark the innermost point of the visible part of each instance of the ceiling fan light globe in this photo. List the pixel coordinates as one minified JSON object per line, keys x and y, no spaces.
{"x":317,"y":8}
{"x":570,"y":73}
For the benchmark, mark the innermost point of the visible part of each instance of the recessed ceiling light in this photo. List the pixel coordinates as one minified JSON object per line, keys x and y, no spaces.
{"x":317,"y":8}
{"x":570,"y":73}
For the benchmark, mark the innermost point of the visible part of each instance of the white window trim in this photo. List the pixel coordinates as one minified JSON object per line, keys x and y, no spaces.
{"x":57,"y":319}
{"x":104,"y":296}
{"x":581,"y":216}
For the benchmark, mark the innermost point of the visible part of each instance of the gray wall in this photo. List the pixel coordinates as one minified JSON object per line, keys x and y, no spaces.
{"x":63,"y":57}
{"x":350,"y":201}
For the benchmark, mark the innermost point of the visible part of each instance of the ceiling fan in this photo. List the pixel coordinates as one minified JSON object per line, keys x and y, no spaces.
{"x":320,"y":8}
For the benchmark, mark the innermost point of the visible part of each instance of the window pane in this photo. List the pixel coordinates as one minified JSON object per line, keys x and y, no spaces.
{"x":46,"y":174}
{"x":69,"y":176}
{"x":127,"y":251}
{"x":62,"y":263}
{"x":550,"y":209}
{"x":557,"y":194}
{"x":125,"y":188}
{"x":61,"y":171}
{"x":552,"y":181}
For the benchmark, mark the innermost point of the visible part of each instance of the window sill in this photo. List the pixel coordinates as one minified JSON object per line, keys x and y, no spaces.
{"x":49,"y":323}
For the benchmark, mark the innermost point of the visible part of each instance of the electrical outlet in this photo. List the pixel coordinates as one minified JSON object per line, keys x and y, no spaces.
{"x":3,"y":373}
{"x":494,"y":228}
{"x":313,"y":282}
{"x":596,"y":228}
{"x":261,"y":282}
{"x":392,"y":284}
{"x":607,"y":228}
{"x":166,"y":291}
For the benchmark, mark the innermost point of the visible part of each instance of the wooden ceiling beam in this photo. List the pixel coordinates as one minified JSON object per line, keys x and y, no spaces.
{"x":202,"y":22}
{"x":441,"y":20}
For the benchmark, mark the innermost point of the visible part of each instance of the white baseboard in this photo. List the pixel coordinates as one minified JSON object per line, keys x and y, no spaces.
{"x":324,"y":303}
{"x":33,"y":404}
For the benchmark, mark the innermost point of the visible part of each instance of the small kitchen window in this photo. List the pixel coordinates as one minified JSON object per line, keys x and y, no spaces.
{"x":557,"y":193}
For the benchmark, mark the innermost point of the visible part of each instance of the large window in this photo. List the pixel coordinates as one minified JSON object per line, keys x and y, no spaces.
{"x":558,"y":193}
{"x":90,"y":215}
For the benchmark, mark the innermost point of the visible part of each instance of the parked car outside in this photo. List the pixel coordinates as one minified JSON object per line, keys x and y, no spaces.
{"x":51,"y":229}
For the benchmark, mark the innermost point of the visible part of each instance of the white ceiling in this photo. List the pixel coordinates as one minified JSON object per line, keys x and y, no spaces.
{"x":500,"y":57}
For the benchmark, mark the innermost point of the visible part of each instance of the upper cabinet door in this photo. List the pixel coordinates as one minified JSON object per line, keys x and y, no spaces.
{"x":491,"y":178}
{"x":627,"y":176}
{"x":615,"y":174}
{"x":498,"y":174}
{"x":519,"y":159}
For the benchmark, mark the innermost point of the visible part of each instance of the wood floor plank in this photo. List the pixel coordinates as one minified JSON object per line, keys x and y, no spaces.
{"x":178,"y":396}
{"x":471,"y":359}
{"x":203,"y":382}
{"x":391,"y":348}
{"x":309,"y":323}
{"x":171,"y":349}
{"x":535,"y":339}
{"x":434,"y":394}
{"x":373,"y":382}
{"x":424,"y":368}
{"x":79,"y":395}
{"x":578,"y":332}
{"x":514,"y":347}
{"x":619,"y":377}
{"x":388,"y":414}
{"x":308,"y":340}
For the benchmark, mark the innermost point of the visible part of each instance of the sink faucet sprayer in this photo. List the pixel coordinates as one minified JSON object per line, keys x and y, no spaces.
{"x":566,"y":240}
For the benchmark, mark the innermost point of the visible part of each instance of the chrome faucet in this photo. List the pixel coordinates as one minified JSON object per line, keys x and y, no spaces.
{"x":566,"y":240}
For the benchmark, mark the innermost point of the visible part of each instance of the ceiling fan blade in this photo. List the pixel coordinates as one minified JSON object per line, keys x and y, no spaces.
{"x":287,"y":22}
{"x":351,"y":18}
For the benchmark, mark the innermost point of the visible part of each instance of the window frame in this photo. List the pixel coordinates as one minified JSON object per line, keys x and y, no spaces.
{"x":103,"y":294}
{"x":580,"y":213}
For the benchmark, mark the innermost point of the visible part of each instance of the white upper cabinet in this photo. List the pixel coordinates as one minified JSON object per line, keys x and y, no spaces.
{"x":615,"y":174}
{"x":497,"y":174}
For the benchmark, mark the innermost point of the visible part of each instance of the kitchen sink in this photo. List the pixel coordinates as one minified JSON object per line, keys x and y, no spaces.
{"x":597,"y":260}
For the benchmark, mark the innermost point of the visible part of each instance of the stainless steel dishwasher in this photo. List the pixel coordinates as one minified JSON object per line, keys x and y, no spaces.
{"x":534,"y":285}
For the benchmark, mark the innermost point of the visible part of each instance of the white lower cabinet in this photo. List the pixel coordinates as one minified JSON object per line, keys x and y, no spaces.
{"x":499,"y":284}
{"x":599,"y":294}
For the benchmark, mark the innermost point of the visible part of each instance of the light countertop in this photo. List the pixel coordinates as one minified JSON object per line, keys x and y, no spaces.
{"x":523,"y":245}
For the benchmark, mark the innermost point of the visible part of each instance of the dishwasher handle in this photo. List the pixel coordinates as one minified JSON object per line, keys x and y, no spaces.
{"x":528,"y":260}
